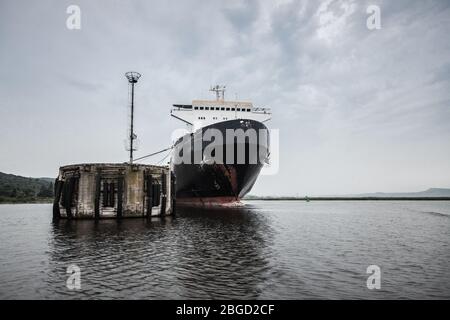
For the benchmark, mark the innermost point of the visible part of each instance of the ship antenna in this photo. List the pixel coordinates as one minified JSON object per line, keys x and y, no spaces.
{"x":133,"y":78}
{"x":220,"y":92}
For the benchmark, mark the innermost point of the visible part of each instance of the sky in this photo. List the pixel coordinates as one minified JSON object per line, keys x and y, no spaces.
{"x":357,"y":110}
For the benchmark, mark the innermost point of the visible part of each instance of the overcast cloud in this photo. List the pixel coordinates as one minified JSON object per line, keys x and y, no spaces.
{"x":358,"y":110}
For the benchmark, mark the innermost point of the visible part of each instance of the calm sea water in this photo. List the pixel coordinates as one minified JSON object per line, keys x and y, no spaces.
{"x":267,"y":250}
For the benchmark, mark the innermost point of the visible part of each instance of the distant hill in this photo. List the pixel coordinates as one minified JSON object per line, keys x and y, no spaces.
{"x":432,"y":192}
{"x":18,"y":189}
{"x":429,"y":193}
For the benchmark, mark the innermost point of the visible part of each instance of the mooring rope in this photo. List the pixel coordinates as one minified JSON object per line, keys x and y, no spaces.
{"x":153,"y":154}
{"x":160,"y":161}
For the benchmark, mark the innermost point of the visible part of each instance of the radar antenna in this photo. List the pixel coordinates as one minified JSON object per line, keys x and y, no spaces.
{"x":220,"y":92}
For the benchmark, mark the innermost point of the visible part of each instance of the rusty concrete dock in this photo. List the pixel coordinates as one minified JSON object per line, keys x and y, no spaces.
{"x":108,"y":190}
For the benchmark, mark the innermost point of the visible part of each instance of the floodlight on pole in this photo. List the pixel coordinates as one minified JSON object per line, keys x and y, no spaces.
{"x":133,"y":78}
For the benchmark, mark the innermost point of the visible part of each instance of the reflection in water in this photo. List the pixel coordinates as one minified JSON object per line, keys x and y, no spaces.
{"x":270,"y":250}
{"x":197,"y":254}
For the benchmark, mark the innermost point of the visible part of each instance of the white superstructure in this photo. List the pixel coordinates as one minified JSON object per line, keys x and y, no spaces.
{"x":206,"y":112}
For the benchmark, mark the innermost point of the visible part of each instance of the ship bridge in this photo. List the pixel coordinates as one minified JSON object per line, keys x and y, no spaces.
{"x":202,"y":113}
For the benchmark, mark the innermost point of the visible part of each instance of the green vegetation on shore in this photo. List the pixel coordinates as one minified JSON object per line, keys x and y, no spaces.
{"x":17,"y":189}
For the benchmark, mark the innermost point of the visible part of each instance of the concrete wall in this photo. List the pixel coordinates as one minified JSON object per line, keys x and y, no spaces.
{"x":88,"y":182}
{"x":134,"y":192}
{"x":86,"y":193}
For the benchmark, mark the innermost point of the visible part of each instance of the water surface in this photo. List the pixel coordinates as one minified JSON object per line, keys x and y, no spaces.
{"x":266,"y":250}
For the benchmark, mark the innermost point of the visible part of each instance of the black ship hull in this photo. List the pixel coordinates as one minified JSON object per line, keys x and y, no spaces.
{"x":220,"y":183}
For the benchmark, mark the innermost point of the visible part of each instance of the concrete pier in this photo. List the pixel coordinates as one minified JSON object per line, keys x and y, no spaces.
{"x":107,"y":190}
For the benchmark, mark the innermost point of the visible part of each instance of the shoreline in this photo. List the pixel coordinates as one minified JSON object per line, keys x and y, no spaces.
{"x":297,"y":199}
{"x":349,"y":199}
{"x":43,"y":201}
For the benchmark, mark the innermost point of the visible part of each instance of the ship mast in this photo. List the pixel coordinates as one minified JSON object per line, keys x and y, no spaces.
{"x":220,"y":92}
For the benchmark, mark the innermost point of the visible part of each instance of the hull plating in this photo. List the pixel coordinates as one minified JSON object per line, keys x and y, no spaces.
{"x":208,"y":183}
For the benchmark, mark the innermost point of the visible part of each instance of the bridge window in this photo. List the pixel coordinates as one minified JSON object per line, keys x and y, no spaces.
{"x":201,"y":108}
{"x":222,"y":108}
{"x":233,"y":109}
{"x":248,"y":110}
{"x":195,"y":108}
{"x":238,"y":109}
{"x":206,"y":108}
{"x":228,"y":109}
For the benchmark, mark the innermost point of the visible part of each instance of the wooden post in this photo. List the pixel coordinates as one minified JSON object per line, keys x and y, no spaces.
{"x":97,"y":195}
{"x":149,"y":195}
{"x":163,"y":193}
{"x":173,"y":186}
{"x":57,"y":192}
{"x":120,"y":196}
{"x":67,"y":196}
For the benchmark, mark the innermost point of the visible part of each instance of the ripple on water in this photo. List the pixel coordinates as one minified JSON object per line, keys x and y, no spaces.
{"x":265,"y":250}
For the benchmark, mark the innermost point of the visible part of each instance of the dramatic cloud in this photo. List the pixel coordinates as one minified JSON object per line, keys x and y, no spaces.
{"x":358,"y":110}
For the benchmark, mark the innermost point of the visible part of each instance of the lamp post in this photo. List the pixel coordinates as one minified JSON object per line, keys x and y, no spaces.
{"x":133,"y":78}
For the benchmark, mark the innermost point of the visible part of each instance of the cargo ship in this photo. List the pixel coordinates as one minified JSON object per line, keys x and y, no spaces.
{"x":219,"y":171}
